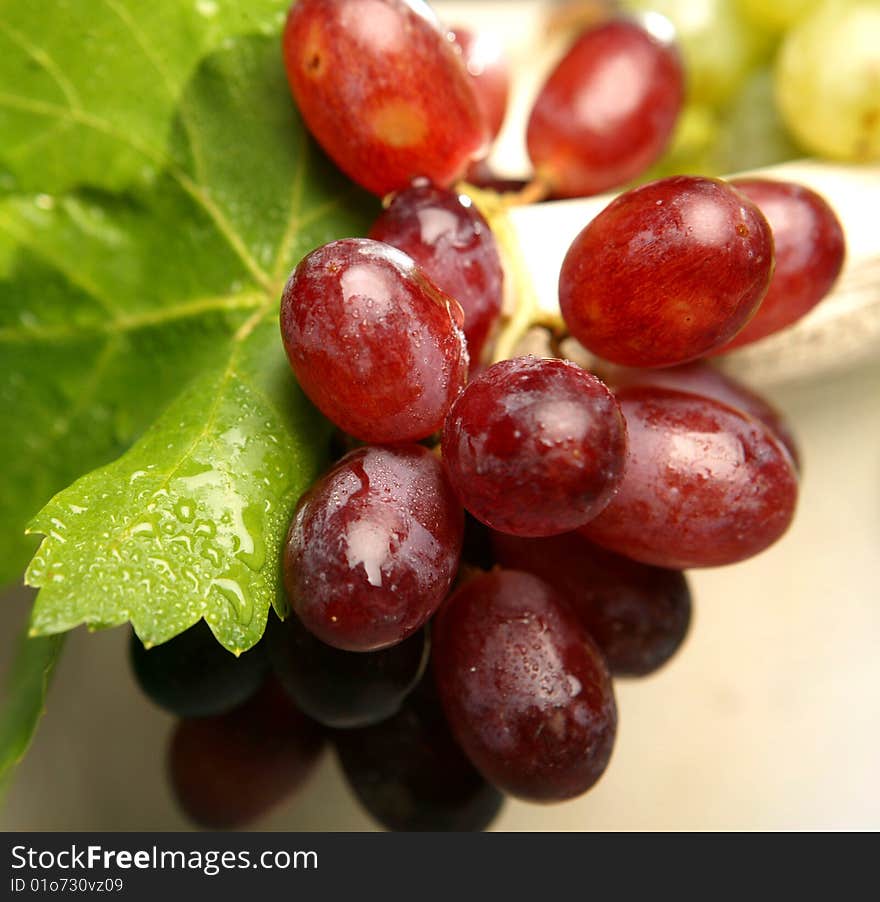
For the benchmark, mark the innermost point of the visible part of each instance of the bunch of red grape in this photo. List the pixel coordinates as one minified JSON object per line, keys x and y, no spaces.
{"x":503,"y":538}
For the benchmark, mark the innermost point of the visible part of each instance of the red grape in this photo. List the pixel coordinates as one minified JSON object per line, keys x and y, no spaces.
{"x":344,"y":689}
{"x":700,"y":378}
{"x":534,"y":447}
{"x":451,"y":241}
{"x":809,"y":255}
{"x":487,"y":65}
{"x":228,"y":770}
{"x":373,"y":547}
{"x":666,"y":272}
{"x":638,"y":615}
{"x":527,"y":694}
{"x":410,"y":774}
{"x":607,"y":111}
{"x":373,"y":342}
{"x":705,"y":485}
{"x":383,"y":91}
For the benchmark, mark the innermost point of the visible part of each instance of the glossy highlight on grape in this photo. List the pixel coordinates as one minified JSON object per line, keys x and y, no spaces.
{"x":666,"y":272}
{"x":810,"y":248}
{"x":701,"y":378}
{"x":452,"y":243}
{"x":487,"y":65}
{"x":526,"y":692}
{"x":534,"y":447}
{"x":372,"y":341}
{"x":383,"y":91}
{"x":705,"y":485}
{"x":638,"y":615}
{"x":373,"y":547}
{"x":607,"y":111}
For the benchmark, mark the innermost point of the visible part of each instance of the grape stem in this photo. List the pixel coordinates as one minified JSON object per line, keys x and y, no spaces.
{"x":526,"y":311}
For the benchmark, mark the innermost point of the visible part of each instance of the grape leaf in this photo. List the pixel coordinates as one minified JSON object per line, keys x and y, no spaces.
{"x":92,"y":343}
{"x":29,"y":679}
{"x":89,"y":89}
{"x":156,"y":187}
{"x":110,"y":304}
{"x":189,"y":522}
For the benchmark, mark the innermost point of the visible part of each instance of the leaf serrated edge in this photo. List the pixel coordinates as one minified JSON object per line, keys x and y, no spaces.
{"x":40,"y":523}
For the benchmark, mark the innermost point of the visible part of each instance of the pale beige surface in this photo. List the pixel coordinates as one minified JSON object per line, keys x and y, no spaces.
{"x":769,"y":717}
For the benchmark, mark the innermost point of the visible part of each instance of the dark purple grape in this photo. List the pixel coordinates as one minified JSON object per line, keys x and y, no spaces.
{"x":667,"y":272}
{"x":476,"y":551}
{"x":383,"y":90}
{"x":607,"y":111}
{"x":227,"y":771}
{"x":410,"y":774}
{"x":534,"y":447}
{"x":193,"y":675}
{"x":527,"y":693}
{"x":705,"y":485}
{"x":372,"y":341}
{"x":638,"y":615}
{"x":344,"y":689}
{"x":373,"y":547}
{"x":482,"y":175}
{"x":451,"y":242}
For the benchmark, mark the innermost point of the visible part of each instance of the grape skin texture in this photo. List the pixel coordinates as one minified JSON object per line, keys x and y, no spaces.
{"x":193,"y":675}
{"x":453,"y":245}
{"x":638,"y":615}
{"x":699,"y":378}
{"x":832,"y":107}
{"x":705,"y":485}
{"x":227,"y":771}
{"x":344,"y":689}
{"x":410,"y":774}
{"x":666,"y":272}
{"x":810,"y":248}
{"x":526,"y":692}
{"x":373,"y":547}
{"x":372,"y":341}
{"x":487,"y":65}
{"x":607,"y":111}
{"x":534,"y":447}
{"x":383,"y":91}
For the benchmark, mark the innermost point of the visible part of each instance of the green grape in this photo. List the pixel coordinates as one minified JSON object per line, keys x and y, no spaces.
{"x":718,"y":48}
{"x":752,"y":133}
{"x":775,"y":15}
{"x":828,"y":81}
{"x":691,"y":150}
